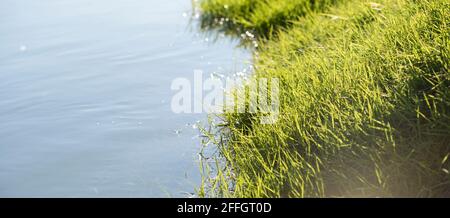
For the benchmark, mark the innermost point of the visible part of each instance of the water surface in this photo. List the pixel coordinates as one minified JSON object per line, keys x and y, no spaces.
{"x":85,"y":97}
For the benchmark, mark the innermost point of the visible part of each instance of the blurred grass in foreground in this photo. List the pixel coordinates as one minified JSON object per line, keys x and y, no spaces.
{"x":365,"y":100}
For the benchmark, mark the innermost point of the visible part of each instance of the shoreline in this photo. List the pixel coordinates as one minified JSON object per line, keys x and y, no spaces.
{"x":365,"y":100}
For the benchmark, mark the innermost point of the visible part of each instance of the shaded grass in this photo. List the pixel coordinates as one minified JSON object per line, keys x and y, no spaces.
{"x":365,"y":101}
{"x":261,"y":17}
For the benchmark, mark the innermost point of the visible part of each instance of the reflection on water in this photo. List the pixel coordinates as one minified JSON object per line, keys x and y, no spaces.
{"x":85,"y":97}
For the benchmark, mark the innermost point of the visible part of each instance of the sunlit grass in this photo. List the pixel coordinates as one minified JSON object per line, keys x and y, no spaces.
{"x":365,"y":101}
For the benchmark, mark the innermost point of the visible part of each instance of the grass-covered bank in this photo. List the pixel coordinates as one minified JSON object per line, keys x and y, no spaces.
{"x":365,"y":99}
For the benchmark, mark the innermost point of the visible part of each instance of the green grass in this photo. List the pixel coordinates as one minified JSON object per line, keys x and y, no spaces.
{"x":365,"y":100}
{"x":262,"y":17}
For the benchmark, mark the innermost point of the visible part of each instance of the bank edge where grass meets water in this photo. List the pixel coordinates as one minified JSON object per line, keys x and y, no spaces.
{"x":365,"y":100}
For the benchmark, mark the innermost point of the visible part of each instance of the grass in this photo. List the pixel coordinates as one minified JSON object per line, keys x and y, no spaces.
{"x":262,"y":17}
{"x":365,"y":100}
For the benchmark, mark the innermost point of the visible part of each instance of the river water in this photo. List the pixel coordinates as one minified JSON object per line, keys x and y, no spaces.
{"x":85,"y":97}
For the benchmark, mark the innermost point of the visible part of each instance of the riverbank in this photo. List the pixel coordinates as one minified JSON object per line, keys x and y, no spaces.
{"x":365,"y":99}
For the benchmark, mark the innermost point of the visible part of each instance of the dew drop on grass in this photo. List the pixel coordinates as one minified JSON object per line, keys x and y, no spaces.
{"x":197,"y":15}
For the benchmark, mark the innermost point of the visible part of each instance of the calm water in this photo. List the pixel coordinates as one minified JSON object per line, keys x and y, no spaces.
{"x":85,"y":97}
